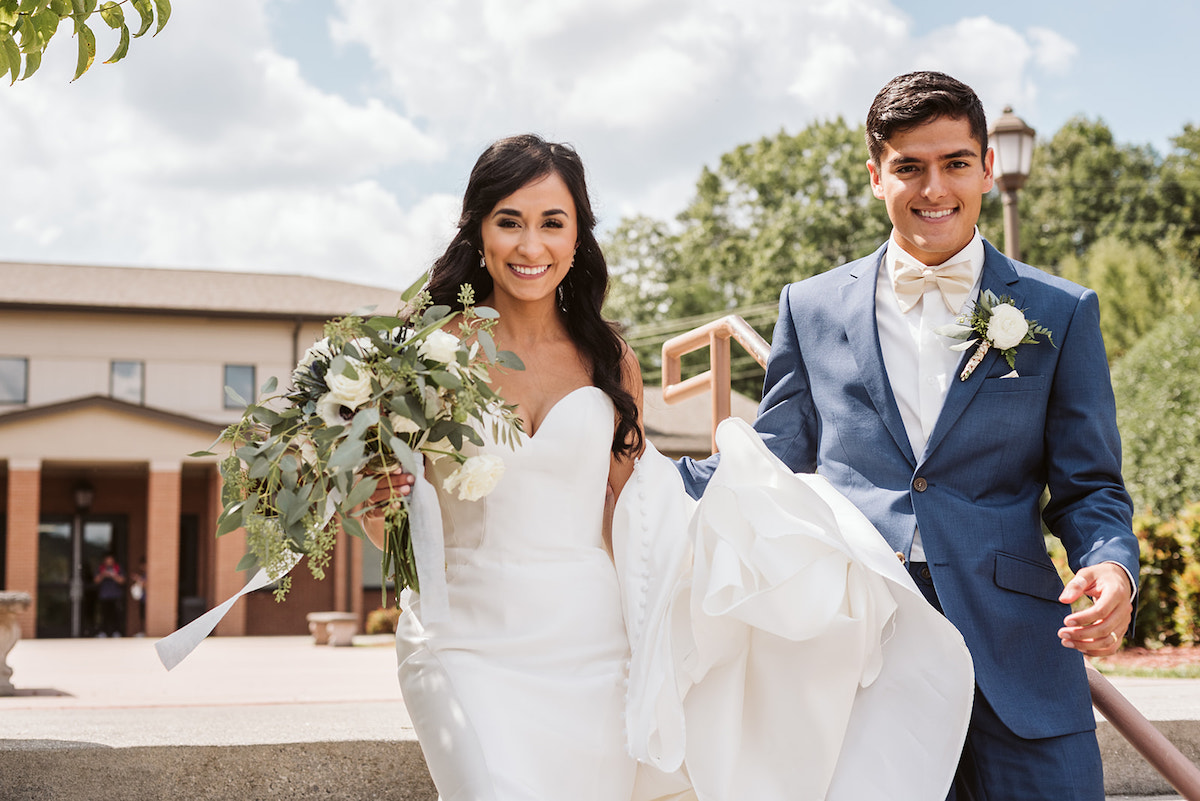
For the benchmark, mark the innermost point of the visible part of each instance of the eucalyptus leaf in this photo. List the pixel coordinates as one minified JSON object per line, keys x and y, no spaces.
{"x":363,"y":419}
{"x":362,"y":491}
{"x":259,"y":468}
{"x":230,"y":520}
{"x":231,"y":393}
{"x":348,"y":456}
{"x":270,"y":386}
{"x":264,"y":415}
{"x":351,"y":526}
{"x":487,"y":313}
{"x":435,"y":314}
{"x":446,"y":380}
{"x":248,"y":562}
{"x":404,"y":454}
{"x":487,"y":343}
{"x":506,"y":358}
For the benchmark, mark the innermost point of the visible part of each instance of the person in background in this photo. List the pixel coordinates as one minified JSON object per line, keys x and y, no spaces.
{"x":110,"y":592}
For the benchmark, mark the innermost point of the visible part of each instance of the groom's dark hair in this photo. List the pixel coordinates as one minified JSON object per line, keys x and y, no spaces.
{"x":916,"y":98}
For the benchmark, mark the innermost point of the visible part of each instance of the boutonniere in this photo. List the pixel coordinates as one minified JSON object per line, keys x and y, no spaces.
{"x":993,"y":323}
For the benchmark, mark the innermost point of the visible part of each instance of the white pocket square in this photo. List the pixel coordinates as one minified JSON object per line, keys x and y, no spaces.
{"x":1013,"y":374}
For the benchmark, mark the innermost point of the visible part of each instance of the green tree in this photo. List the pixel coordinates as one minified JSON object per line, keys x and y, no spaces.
{"x":781,"y":209}
{"x":1137,"y":285}
{"x":1083,"y":185}
{"x":1157,"y":388}
{"x":773,"y":211}
{"x":27,"y":26}
{"x":1181,"y":194}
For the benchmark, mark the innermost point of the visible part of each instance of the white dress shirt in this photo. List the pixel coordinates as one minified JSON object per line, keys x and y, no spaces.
{"x":920,"y":365}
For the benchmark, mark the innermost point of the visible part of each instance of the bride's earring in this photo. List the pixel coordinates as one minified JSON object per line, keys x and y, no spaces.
{"x":482,"y":262}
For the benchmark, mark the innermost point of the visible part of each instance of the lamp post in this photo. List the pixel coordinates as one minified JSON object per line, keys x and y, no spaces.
{"x":84,"y":495}
{"x":1012,"y":142}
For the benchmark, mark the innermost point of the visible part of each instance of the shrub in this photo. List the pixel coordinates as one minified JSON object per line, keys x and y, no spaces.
{"x":1169,"y":596}
{"x":1157,"y":387}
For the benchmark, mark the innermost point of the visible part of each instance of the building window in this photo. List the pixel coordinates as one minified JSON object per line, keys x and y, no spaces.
{"x":126,"y":382}
{"x":14,"y":380}
{"x":239,"y":378}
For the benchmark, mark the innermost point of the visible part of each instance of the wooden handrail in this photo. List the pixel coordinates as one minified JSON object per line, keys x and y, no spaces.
{"x":1157,"y":750}
{"x":715,"y":336}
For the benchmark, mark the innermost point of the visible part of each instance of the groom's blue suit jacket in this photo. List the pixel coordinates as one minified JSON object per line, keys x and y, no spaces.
{"x":977,"y":489}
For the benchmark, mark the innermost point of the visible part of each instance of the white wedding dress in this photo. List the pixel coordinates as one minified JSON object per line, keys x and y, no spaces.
{"x":763,"y":644}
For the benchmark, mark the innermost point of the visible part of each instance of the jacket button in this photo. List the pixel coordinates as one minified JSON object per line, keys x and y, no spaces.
{"x":920,"y":484}
{"x":900,"y":556}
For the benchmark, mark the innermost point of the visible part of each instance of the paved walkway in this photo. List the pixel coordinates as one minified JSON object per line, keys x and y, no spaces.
{"x":252,"y":691}
{"x":230,"y":691}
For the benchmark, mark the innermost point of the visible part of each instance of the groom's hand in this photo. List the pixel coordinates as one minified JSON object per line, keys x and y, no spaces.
{"x":1099,"y":629}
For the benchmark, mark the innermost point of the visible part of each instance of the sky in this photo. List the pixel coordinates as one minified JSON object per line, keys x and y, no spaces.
{"x":334,"y":138}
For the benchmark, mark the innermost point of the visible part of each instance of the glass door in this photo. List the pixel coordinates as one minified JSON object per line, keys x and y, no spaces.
{"x":66,"y":569}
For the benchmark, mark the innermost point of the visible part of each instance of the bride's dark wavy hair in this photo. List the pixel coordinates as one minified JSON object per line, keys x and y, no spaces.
{"x":505,"y":167}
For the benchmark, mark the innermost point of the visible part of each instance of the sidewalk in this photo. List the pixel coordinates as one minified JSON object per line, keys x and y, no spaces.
{"x":279,"y":717}
{"x":230,"y":691}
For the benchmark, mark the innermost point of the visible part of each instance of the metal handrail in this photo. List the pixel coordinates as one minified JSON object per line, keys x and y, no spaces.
{"x":1131,"y":724}
{"x":1155,"y":748}
{"x":715,"y":336}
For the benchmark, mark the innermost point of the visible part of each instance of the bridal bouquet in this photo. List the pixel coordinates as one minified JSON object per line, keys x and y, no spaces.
{"x":371,"y":397}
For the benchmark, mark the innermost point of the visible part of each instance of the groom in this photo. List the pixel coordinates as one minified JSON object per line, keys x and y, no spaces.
{"x":952,"y":468}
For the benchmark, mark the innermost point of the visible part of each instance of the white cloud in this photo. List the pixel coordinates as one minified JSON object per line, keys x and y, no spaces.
{"x":210,"y":147}
{"x":1052,"y":51}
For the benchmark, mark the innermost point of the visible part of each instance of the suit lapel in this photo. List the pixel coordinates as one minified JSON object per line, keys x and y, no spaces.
{"x":1001,"y":278}
{"x":862,"y":332}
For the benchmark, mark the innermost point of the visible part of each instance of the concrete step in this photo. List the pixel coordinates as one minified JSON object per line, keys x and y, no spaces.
{"x":48,"y":770}
{"x":346,"y":771}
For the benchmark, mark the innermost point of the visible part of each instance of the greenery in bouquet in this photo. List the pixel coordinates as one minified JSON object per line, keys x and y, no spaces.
{"x":375,"y":395}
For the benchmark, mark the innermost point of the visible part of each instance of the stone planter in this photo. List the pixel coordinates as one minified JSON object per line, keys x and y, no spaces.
{"x":11,"y":604}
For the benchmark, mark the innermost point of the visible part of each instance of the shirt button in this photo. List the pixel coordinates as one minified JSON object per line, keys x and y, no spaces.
{"x":920,"y":484}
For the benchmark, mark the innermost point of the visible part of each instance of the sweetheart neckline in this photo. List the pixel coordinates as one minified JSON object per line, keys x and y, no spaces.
{"x":550,"y":412}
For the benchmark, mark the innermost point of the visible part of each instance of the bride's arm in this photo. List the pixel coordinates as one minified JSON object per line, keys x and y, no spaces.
{"x":621,"y":467}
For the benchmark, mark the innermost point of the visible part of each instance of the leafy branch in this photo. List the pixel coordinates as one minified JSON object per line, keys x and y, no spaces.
{"x":27,"y":26}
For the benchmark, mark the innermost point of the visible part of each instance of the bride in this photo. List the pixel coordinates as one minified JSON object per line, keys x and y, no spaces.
{"x":764,"y":643}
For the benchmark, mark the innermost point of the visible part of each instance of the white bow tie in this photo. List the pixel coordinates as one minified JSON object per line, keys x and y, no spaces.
{"x":954,"y":280}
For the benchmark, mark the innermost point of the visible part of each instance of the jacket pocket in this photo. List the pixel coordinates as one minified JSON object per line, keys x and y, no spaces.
{"x":1022,"y":575}
{"x":1022,"y":383}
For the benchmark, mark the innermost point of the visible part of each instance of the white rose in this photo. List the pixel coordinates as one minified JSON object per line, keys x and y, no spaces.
{"x":475,"y":477}
{"x":329,"y":409}
{"x":364,"y":346}
{"x":439,"y":347}
{"x":318,"y":350}
{"x":351,"y":392}
{"x":1007,"y":326}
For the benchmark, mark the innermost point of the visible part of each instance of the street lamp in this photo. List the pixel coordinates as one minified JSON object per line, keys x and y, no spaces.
{"x":84,"y":495}
{"x":1012,"y":142}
